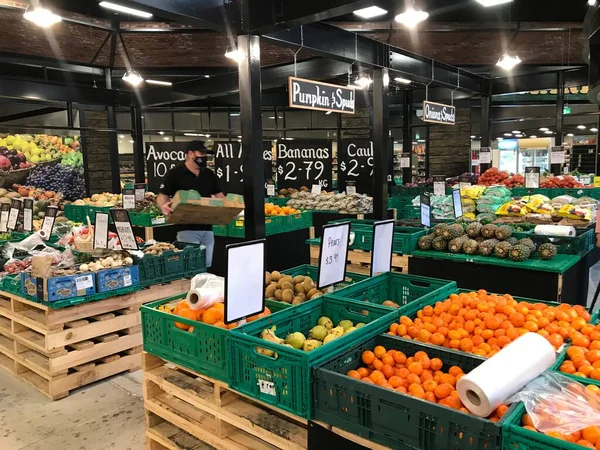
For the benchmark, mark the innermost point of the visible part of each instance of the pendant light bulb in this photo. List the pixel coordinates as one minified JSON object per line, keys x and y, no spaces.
{"x":133,"y":78}
{"x":508,"y":62}
{"x":363,"y":81}
{"x":233,"y":53}
{"x":411,"y":18}
{"x":40,"y":16}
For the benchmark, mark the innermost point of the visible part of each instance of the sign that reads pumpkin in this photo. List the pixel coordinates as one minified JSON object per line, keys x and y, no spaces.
{"x":308,"y":94}
{"x":439,"y":113}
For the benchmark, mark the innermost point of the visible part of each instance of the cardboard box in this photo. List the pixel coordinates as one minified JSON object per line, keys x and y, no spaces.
{"x":190,"y":208}
{"x":58,"y":288}
{"x":118,"y":278}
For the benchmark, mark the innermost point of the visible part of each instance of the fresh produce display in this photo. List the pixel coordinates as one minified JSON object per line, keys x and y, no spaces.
{"x":493,"y":176}
{"x":275,"y":210}
{"x":17,"y":265}
{"x":104,"y":199}
{"x":12,"y":160}
{"x":583,"y":357}
{"x":147,"y":205}
{"x":6,"y":196}
{"x":74,"y":159}
{"x":158,"y":248}
{"x":483,"y":323}
{"x":321,"y":334}
{"x":36,"y":194}
{"x":561,"y":181}
{"x":40,"y":147}
{"x":110,"y":261}
{"x":288,"y":289}
{"x":67,"y":180}
{"x":327,"y":201}
{"x":287,"y":193}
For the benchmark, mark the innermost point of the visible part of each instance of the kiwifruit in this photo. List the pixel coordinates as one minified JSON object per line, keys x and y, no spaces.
{"x":287,"y":295}
{"x":297,"y":301}
{"x":286,"y":285}
{"x":275,"y":276}
{"x":316,"y":294}
{"x":270,"y":291}
{"x":303,"y":296}
{"x":267,"y":278}
{"x":311,"y":292}
{"x":308,"y":284}
{"x":298,"y":279}
{"x":271,"y":298}
{"x":278,"y":293}
{"x":299,"y":288}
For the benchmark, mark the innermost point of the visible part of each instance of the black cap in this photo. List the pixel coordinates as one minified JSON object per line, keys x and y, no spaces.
{"x":197,"y":145}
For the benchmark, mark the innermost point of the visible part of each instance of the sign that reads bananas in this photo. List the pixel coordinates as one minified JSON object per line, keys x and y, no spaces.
{"x":439,"y":113}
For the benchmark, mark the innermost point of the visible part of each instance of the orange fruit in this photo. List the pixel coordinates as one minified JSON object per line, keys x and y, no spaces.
{"x":595,"y":374}
{"x":585,"y":444}
{"x":363,"y":372}
{"x":455,"y":370}
{"x":377,"y":364}
{"x":443,"y":390}
{"x":399,"y":357}
{"x":436,"y":364}
{"x":388,"y":371}
{"x":375,"y":375}
{"x":388,"y":360}
{"x":221,"y":324}
{"x":354,"y":374}
{"x":591,"y":434}
{"x":379,"y":351}
{"x":416,"y":368}
{"x":191,"y":329}
{"x":530,"y":428}
{"x":395,"y":381}
{"x":402,"y":372}
{"x":368,"y":357}
{"x":413,"y":379}
{"x":429,"y":385}
{"x":212,"y":315}
{"x":501,"y":410}
{"x":186,"y":313}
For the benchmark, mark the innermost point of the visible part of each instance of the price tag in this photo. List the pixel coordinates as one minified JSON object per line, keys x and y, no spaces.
{"x":84,"y":282}
{"x":101,"y":230}
{"x":532,"y":177}
{"x":557,"y":155}
{"x":140,"y":191}
{"x":270,"y":188}
{"x":457,"y":203}
{"x":129,"y":196}
{"x":586,"y":179}
{"x":127,"y":280}
{"x":439,"y":185}
{"x":124,"y":230}
{"x":383,"y":240}
{"x":425,"y":210}
{"x":464,"y":181}
{"x":48,"y":224}
{"x":596,"y":181}
{"x":244,"y":280}
{"x":4,"y":217}
{"x":316,"y":189}
{"x":28,"y":214}
{"x":405,"y":160}
{"x":475,"y":162}
{"x":350,"y":187}
{"x":333,"y":255}
{"x":266,"y":387}
{"x":13,"y":215}
{"x":304,"y":163}
{"x":485,"y":155}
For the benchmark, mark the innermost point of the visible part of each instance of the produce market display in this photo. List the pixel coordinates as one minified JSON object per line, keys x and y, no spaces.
{"x":275,"y":210}
{"x":583,"y":356}
{"x":328,"y":201}
{"x":288,"y":289}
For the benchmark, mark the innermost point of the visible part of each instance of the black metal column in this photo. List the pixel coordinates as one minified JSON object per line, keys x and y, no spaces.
{"x":407,"y":113}
{"x":381,"y":143}
{"x":560,"y":102}
{"x":138,"y":144}
{"x":486,"y":126}
{"x":251,"y":124}
{"x":113,"y":143}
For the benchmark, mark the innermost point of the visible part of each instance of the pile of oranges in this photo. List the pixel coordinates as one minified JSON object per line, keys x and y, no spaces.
{"x":482,"y":323}
{"x":275,"y":210}
{"x":418,"y":376}
{"x":214,"y":315}
{"x":583,"y":357}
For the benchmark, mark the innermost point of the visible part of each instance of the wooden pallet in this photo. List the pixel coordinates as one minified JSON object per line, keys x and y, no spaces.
{"x":359,"y":261}
{"x":58,"y":350}
{"x":186,"y":410}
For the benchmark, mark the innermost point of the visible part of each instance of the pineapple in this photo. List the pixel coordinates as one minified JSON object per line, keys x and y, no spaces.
{"x":501,"y":250}
{"x":547,"y":251}
{"x":503,"y":232}
{"x":456,"y":244}
{"x":489,"y":231}
{"x":519,"y":253}
{"x":528,"y":243}
{"x":473,"y":229}
{"x":453,"y":231}
{"x":424,"y":242}
{"x":470,"y":246}
{"x":439,"y":228}
{"x":440,"y":244}
{"x":486,"y":248}
{"x":512,"y":240}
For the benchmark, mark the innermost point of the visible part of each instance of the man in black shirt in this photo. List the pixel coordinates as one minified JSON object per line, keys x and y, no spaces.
{"x":192,"y":175}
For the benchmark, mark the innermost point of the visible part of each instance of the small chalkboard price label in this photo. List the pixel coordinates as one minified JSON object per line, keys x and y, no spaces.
{"x":48,"y":223}
{"x":129,"y":198}
{"x":439,"y":185}
{"x":140,"y":191}
{"x":28,"y":214}
{"x":101,"y":230}
{"x":13,"y":215}
{"x":124,"y":230}
{"x":304,"y":163}
{"x":4,"y":211}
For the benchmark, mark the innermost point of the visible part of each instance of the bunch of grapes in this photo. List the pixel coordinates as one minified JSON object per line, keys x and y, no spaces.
{"x":67,"y":180}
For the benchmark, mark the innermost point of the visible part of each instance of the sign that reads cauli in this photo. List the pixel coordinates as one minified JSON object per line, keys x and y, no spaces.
{"x":308,"y":94}
{"x":439,"y":113}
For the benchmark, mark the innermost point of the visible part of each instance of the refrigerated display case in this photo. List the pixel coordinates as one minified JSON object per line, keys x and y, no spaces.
{"x":533,"y":158}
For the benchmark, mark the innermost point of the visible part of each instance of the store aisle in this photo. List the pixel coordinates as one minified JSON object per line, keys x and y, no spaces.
{"x":105,"y":415}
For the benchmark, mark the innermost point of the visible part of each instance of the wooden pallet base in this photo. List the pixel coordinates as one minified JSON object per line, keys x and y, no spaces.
{"x":212,"y":415}
{"x":359,"y":261}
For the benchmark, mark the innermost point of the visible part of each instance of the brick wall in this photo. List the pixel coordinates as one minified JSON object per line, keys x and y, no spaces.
{"x":97,"y":151}
{"x":360,"y":118}
{"x":449,"y":146}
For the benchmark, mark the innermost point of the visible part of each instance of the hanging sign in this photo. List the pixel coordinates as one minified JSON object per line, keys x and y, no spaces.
{"x":5,"y":208}
{"x":28,"y":214}
{"x":308,"y":94}
{"x":101,"y":230}
{"x":457,"y":203}
{"x":129,"y":198}
{"x":439,"y":113}
{"x":124,"y":230}
{"x":355,"y":164}
{"x":160,"y":158}
{"x":333,"y":254}
{"x":48,"y":223}
{"x":229,"y":165}
{"x":485,"y":155}
{"x":405,"y":161}
{"x":557,"y":155}
{"x":140,"y":191}
{"x":381,"y":252}
{"x":425,"y":210}
{"x":439,"y":185}
{"x":13,"y":215}
{"x":304,"y":163}
{"x":532,"y":177}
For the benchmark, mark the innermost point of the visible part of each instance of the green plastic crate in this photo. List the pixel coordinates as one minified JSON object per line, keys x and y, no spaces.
{"x":220,"y":230}
{"x":583,"y":242}
{"x":563,"y":356}
{"x":311,"y":271}
{"x":273,"y":225}
{"x":76,"y":213}
{"x":285,"y":381}
{"x":140,"y":219}
{"x":299,"y":221}
{"x":393,"y":419}
{"x":414,"y":191}
{"x":277,"y":201}
{"x":171,"y":265}
{"x":400,"y":288}
{"x":204,"y":350}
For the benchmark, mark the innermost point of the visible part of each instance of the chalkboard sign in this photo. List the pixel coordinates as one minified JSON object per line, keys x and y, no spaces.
{"x":355,"y":163}
{"x":229,"y":165}
{"x":439,"y":113}
{"x":304,"y":163}
{"x":160,"y":158}
{"x":308,"y":94}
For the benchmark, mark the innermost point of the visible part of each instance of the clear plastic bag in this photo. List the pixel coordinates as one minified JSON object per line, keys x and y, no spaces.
{"x":557,"y":403}
{"x":206,"y":290}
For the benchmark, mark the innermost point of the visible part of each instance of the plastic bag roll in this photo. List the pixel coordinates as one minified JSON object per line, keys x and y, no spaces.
{"x":555,"y":230}
{"x":194,"y":299}
{"x":492,"y":383}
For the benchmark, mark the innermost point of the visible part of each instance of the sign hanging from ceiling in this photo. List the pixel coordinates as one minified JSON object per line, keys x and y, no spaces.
{"x":439,"y":113}
{"x":308,"y":94}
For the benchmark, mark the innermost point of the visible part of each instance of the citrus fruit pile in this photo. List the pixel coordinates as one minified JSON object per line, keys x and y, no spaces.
{"x":418,"y":376}
{"x":583,"y":357}
{"x":482,"y":323}
{"x":275,"y":210}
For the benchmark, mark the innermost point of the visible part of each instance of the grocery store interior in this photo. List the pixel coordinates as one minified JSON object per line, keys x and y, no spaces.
{"x":198,"y":197}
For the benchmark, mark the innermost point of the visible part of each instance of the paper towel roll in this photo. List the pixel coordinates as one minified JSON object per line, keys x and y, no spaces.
{"x":488,"y":386}
{"x":555,"y":230}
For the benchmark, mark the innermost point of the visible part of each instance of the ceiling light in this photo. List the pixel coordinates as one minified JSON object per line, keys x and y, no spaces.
{"x":207,"y":135}
{"x":161,"y":83}
{"x":121,"y":136}
{"x":233,"y":53}
{"x":402,"y":80}
{"x":328,"y":112}
{"x":593,"y":130}
{"x":131,"y":141}
{"x":133,"y":78}
{"x":516,"y":132}
{"x":371,"y":11}
{"x":193,"y":134}
{"x":420,"y":140}
{"x":570,"y":134}
{"x":500,"y":139}
{"x":288,"y":138}
{"x":234,"y":114}
{"x":488,"y":3}
{"x":548,"y":132}
{"x":543,"y":129}
{"x":592,"y":2}
{"x":581,"y":127}
{"x":508,"y":134}
{"x":239,"y":137}
{"x":411,"y":18}
{"x":126,"y":10}
{"x":166,"y":138}
{"x":472,"y":137}
{"x":41,"y":17}
{"x":519,"y":135}
{"x":363,"y":81}
{"x":533,"y":136}
{"x":507,"y":62}
{"x":161,"y":132}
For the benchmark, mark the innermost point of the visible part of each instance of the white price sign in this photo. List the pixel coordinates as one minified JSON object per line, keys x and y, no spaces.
{"x":124,"y":230}
{"x":585,"y":179}
{"x":425,"y":210}
{"x":13,"y":215}
{"x":557,"y":155}
{"x":439,"y":185}
{"x":28,"y":214}
{"x":270,"y":189}
{"x":485,"y":155}
{"x":84,"y":282}
{"x":140,"y":192}
{"x":383,"y":240}
{"x":350,"y":187}
{"x":48,"y":224}
{"x":333,"y":255}
{"x":316,"y":189}
{"x":101,"y":230}
{"x":532,"y":177}
{"x":267,"y":387}
{"x":129,"y":198}
{"x":457,"y":203}
{"x":4,"y":217}
{"x":405,"y":161}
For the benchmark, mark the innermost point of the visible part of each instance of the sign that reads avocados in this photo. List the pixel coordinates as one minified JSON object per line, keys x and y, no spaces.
{"x":308,"y":94}
{"x":439,"y":113}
